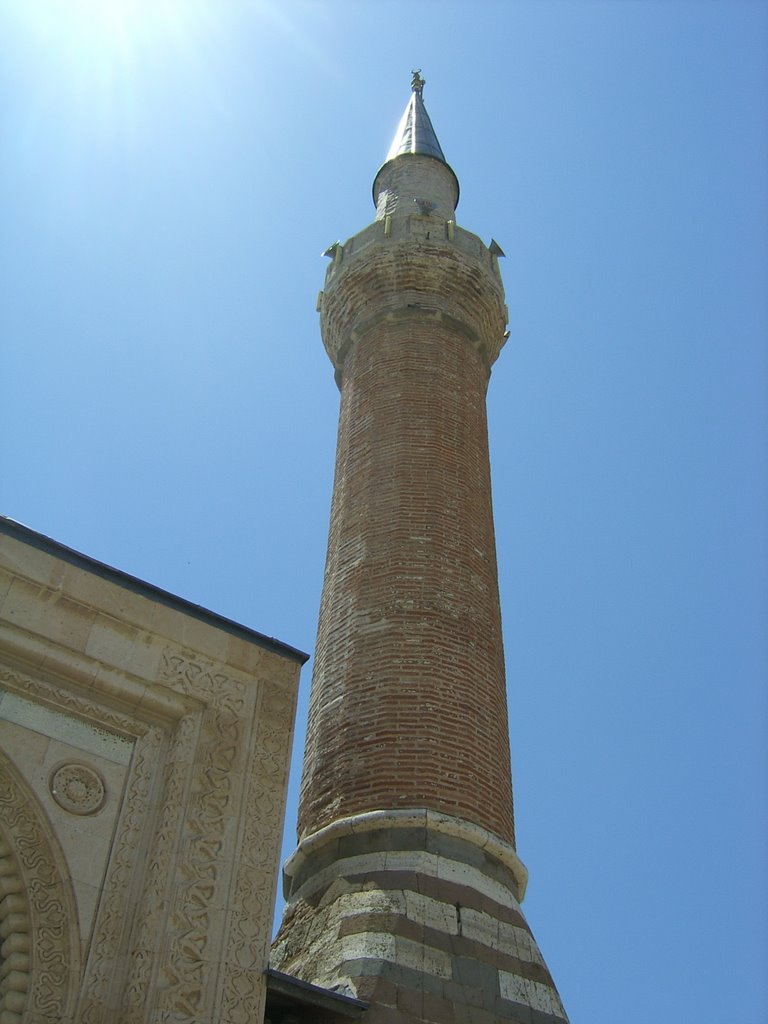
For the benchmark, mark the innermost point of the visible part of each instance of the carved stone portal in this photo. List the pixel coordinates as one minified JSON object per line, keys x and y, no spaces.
{"x":142,"y":791}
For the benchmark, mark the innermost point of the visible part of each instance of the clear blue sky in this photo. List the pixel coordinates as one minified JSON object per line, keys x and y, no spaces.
{"x":170,"y":174}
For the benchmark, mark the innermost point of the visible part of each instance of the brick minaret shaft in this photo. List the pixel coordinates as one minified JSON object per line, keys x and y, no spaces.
{"x":405,"y":886}
{"x":409,"y":702}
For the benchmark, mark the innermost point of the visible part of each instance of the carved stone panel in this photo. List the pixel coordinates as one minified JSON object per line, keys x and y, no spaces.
{"x":141,"y":797}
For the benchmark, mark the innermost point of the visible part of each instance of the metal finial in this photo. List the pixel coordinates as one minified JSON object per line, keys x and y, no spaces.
{"x":417,"y":82}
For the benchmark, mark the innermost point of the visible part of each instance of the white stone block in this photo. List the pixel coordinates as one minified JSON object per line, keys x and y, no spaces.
{"x":371,"y":901}
{"x":480,"y":927}
{"x":419,"y":957}
{"x":431,"y":913}
{"x":530,"y":993}
{"x":365,"y":946}
{"x":519,"y":942}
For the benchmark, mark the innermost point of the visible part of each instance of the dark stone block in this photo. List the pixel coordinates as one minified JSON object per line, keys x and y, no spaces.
{"x":320,"y":859}
{"x":537,"y":1017}
{"x":474,"y":973}
{"x":507,"y":1010}
{"x":465,"y":995}
{"x":475,"y":1015}
{"x":384,"y":840}
{"x":402,"y":977}
{"x":439,"y":1010}
{"x":410,"y":1001}
{"x":455,"y":849}
{"x":389,"y":880}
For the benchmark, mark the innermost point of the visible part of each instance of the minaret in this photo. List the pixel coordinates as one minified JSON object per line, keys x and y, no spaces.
{"x":405,"y":887}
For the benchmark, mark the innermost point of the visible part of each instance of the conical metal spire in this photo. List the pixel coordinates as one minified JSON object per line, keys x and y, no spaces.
{"x":415,"y":137}
{"x":415,"y":133}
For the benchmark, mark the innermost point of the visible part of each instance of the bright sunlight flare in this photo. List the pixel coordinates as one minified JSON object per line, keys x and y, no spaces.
{"x":97,"y":56}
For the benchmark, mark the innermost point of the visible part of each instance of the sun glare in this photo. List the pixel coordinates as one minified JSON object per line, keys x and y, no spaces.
{"x":103,"y":68}
{"x":98,"y":54}
{"x":107,"y":28}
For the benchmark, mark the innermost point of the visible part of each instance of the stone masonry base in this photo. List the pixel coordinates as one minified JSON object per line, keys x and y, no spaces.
{"x":419,"y":915}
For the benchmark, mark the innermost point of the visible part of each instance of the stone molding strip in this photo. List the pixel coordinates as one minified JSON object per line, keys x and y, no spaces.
{"x":19,"y":532}
{"x":443,"y":824}
{"x":155,"y":702}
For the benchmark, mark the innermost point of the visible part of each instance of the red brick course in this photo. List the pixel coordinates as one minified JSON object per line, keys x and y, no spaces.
{"x":408,"y":703}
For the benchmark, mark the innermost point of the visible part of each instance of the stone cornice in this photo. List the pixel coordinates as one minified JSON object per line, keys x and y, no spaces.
{"x":412,"y":266}
{"x":442,"y":824}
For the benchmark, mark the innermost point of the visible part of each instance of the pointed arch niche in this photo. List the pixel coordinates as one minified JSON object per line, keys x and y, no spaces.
{"x":39,"y":944}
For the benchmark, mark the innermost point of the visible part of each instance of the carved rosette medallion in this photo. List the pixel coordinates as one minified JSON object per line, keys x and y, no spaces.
{"x":78,"y":788}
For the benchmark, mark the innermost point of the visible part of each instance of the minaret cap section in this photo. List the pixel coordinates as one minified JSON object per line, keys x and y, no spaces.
{"x":415,"y":177}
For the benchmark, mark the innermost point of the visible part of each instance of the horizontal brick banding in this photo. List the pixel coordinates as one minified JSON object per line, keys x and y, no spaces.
{"x":457,"y":945}
{"x":399,"y":995}
{"x":446,"y":926}
{"x":442,"y":890}
{"x":408,"y":703}
{"x":340,"y":853}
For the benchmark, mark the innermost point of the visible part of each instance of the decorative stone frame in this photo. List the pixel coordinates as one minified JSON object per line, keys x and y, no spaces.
{"x":183,"y":919}
{"x":193,"y":860}
{"x":37,"y":913}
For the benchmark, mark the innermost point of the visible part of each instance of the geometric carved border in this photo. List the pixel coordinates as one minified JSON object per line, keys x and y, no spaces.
{"x":102,"y":978}
{"x":47,"y":901}
{"x":208,"y":836}
{"x":262,"y":819}
{"x":152,"y":909}
{"x":215,"y":836}
{"x":199,"y":831}
{"x":61,"y":699}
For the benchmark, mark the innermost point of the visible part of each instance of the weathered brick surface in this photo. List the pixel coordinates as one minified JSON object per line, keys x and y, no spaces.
{"x":411,"y":178}
{"x":408,"y":703}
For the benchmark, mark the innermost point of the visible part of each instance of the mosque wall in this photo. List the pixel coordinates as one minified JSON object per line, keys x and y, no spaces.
{"x":144,"y":748}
